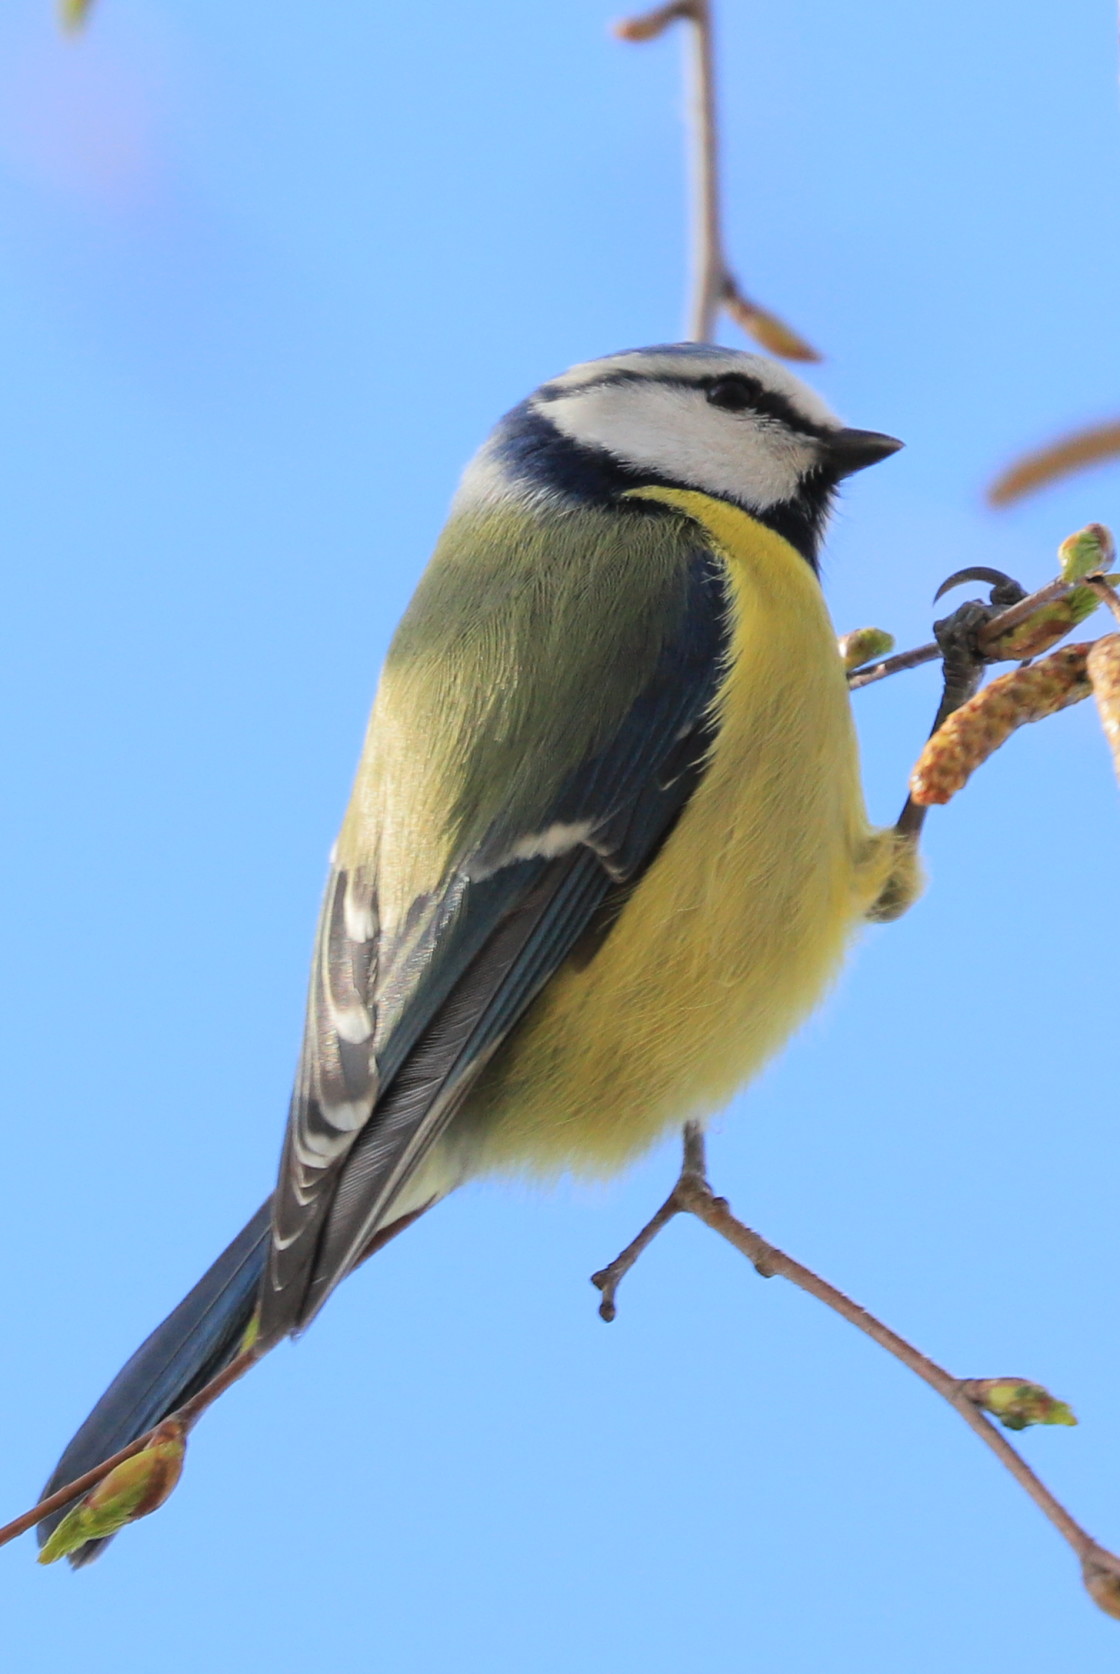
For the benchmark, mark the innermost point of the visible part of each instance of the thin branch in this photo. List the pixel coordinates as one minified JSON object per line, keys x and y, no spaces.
{"x":187,"y":1415}
{"x":709,"y":266}
{"x":871,"y":672}
{"x":714,"y":286}
{"x":988,"y":635}
{"x":693,"y":1195}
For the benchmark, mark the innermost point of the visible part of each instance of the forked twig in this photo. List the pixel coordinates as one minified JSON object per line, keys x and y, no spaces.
{"x":714,"y":286}
{"x":693,"y":1195}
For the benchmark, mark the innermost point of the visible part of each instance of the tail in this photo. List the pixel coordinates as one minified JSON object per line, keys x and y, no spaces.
{"x":194,"y":1342}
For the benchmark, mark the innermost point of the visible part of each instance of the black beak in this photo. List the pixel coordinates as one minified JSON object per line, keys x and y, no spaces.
{"x":854,"y":450}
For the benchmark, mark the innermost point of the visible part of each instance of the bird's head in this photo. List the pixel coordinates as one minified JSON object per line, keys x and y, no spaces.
{"x":687,"y":415}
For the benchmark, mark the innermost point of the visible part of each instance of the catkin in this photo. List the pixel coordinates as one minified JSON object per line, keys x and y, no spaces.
{"x":978,"y":728}
{"x":1104,"y":676}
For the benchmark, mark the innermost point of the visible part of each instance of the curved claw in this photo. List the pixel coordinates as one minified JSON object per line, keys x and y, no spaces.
{"x":1005,"y":589}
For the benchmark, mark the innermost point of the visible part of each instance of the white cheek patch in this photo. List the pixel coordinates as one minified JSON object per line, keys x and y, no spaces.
{"x":675,"y":431}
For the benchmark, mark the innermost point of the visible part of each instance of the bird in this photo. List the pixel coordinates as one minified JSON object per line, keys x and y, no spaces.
{"x":606,"y":843}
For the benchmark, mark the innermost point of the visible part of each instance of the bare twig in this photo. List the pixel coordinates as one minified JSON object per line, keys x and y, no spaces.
{"x":871,"y":672}
{"x":187,"y":1415}
{"x":709,"y":267}
{"x":693,"y":1195}
{"x":714,"y":286}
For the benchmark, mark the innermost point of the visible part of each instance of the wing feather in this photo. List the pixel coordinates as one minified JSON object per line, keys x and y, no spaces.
{"x":400,"y":1024}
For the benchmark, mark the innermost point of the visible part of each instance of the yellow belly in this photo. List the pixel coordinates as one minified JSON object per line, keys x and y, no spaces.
{"x":737,"y":927}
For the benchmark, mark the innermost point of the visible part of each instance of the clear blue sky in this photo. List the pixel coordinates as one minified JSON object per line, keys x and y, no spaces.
{"x":268,"y":275}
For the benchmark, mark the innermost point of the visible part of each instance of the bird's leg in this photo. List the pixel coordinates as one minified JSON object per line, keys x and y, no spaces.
{"x":963,"y":661}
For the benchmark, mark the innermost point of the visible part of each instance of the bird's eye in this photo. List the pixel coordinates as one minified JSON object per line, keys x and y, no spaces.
{"x":733,"y":393}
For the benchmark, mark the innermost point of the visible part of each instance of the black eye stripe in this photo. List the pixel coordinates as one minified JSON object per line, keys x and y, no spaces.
{"x":738,"y":392}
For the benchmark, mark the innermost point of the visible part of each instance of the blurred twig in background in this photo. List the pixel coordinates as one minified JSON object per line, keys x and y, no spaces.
{"x":714,"y":286}
{"x":1042,"y":466}
{"x":73,"y":13}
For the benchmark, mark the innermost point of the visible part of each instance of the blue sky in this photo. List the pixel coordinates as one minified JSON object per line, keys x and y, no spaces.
{"x":268,"y":276}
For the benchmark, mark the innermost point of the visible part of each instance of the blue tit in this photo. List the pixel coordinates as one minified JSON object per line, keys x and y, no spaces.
{"x":606,"y":843}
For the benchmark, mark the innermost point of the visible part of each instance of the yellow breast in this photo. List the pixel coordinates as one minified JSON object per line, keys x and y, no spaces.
{"x":737,"y":927}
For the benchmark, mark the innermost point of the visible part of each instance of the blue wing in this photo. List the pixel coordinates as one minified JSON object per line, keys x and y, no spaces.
{"x":469,"y":961}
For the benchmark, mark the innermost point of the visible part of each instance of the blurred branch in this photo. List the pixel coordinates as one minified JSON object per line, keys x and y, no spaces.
{"x":714,"y":286}
{"x":1015,"y":1402}
{"x":1059,"y":459}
